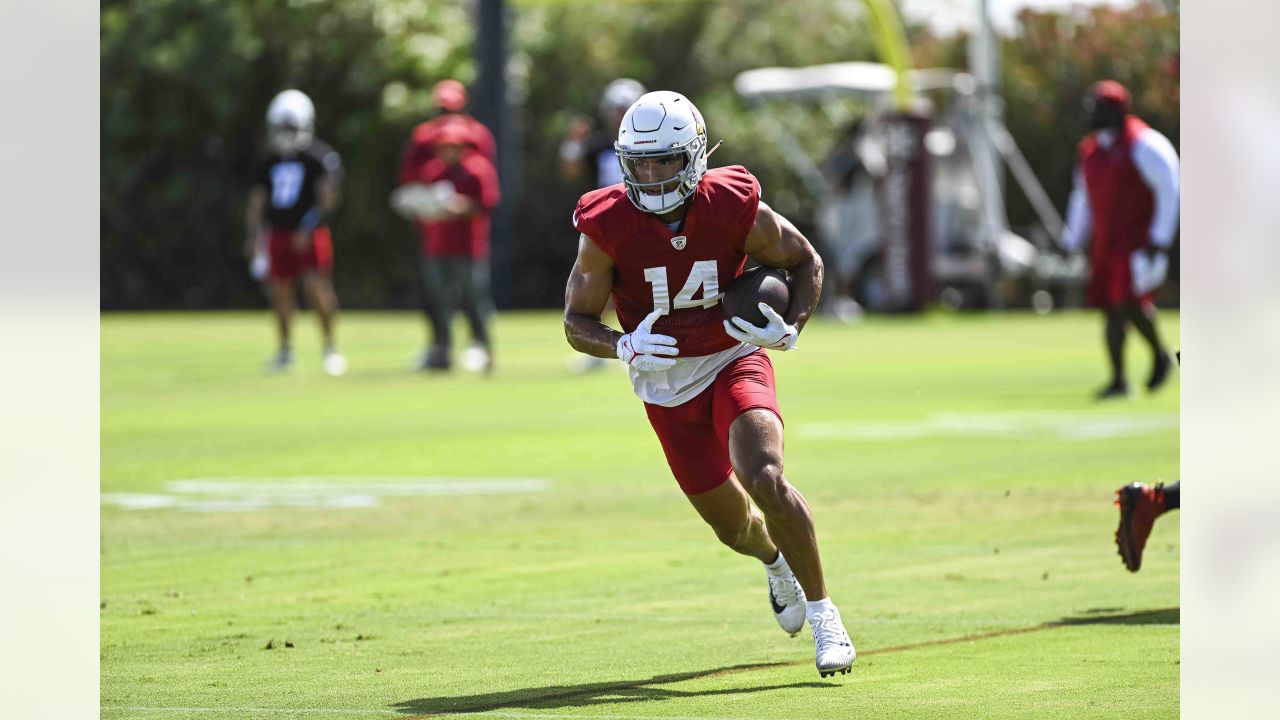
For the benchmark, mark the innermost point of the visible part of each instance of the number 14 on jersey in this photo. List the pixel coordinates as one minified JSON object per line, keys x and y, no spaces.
{"x":703,"y":276}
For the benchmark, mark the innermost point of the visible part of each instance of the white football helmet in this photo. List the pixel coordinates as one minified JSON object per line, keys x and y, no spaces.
{"x":618,"y":96}
{"x":662,"y":124}
{"x":291,"y":122}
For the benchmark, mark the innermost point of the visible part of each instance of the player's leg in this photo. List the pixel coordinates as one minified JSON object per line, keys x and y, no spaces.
{"x":319,"y":288}
{"x":1143,"y":316}
{"x":755,"y":446}
{"x":435,"y":296}
{"x":282,"y":304}
{"x":282,"y":271}
{"x":736,"y":522}
{"x":477,"y":306}
{"x":755,"y":449}
{"x":699,"y":460}
{"x":1116,"y":324}
{"x":745,"y":398}
{"x":741,"y":527}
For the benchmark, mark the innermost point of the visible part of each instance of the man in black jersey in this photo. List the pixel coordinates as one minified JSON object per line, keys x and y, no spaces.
{"x":294,"y":188}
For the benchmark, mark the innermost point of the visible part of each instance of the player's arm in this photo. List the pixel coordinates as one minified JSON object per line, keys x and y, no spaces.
{"x":1157,"y":163}
{"x":1079,"y":215}
{"x":327,"y":194}
{"x":775,"y":242}
{"x":253,"y":218}
{"x":585,"y":298}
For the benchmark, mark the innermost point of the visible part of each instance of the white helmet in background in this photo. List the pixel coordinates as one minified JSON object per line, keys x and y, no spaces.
{"x":291,"y":122}
{"x":619,"y":95}
{"x":662,"y":124}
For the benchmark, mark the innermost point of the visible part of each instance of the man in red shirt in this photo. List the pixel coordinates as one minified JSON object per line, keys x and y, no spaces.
{"x":663,"y":244}
{"x":455,"y":246}
{"x":1126,"y":194}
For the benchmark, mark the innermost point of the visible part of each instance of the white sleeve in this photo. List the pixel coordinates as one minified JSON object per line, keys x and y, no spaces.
{"x":1157,"y":162}
{"x":1079,"y":215}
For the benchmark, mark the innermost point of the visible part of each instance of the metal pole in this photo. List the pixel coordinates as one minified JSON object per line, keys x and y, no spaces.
{"x":489,"y":103}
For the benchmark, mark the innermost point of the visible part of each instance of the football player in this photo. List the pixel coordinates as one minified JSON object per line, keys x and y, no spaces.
{"x":1126,"y":195}
{"x":295,"y":187}
{"x":663,"y":243}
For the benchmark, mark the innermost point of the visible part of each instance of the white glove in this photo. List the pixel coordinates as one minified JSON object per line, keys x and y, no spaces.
{"x":1147,"y":270}
{"x":643,"y":350}
{"x":777,"y":335}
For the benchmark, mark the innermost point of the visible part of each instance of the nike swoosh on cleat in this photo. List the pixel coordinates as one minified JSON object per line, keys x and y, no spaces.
{"x":777,"y":609}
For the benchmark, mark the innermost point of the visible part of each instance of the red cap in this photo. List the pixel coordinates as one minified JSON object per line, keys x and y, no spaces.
{"x":450,"y":95}
{"x":1111,"y":90}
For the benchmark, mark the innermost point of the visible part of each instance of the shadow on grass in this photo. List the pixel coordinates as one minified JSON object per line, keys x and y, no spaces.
{"x":1167,"y":616}
{"x":589,"y":694}
{"x":609,"y":693}
{"x":1164,"y":616}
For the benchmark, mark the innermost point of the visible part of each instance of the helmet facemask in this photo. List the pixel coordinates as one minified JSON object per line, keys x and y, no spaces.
{"x":661,"y":125}
{"x":288,"y":138}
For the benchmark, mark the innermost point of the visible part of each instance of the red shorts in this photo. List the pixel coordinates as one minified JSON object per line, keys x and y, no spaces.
{"x":1111,"y":284}
{"x":287,"y":264}
{"x":695,"y":435}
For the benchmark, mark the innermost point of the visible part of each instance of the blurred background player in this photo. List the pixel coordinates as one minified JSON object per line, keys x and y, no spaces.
{"x":451,"y":197}
{"x":412,"y":201}
{"x":1140,"y":505}
{"x":294,"y":188}
{"x":590,"y":153}
{"x":1126,"y":192}
{"x":663,"y":243}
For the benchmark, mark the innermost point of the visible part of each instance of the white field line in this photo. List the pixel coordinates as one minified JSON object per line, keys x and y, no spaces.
{"x":243,"y":494}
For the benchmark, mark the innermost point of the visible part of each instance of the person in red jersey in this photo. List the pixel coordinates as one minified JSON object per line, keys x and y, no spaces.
{"x":294,"y":187}
{"x":455,"y":247}
{"x":663,"y":244}
{"x":450,"y":98}
{"x":1126,"y":194}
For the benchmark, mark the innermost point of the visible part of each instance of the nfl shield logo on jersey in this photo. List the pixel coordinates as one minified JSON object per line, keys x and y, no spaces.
{"x":678,"y":242}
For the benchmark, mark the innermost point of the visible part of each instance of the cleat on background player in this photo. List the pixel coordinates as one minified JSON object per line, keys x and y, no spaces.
{"x":334,"y":363}
{"x":1139,"y":505}
{"x":833,"y":649}
{"x":786,"y":597}
{"x":1114,"y":391}
{"x":1159,"y":371}
{"x":281,"y":362}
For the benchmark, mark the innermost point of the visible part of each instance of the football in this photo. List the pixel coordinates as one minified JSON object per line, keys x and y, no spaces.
{"x":757,"y":285}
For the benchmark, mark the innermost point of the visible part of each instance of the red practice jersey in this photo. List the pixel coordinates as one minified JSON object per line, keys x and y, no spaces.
{"x":1121,"y":202}
{"x":422,"y":143}
{"x":683,"y":271}
{"x":475,"y":177}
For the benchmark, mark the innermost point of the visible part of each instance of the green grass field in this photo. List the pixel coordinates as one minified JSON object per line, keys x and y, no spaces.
{"x":391,"y":544}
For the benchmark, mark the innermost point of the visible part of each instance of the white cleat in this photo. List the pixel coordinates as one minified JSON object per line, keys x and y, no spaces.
{"x":786,"y":597}
{"x":334,"y":363}
{"x":476,"y":359}
{"x":834,"y":651}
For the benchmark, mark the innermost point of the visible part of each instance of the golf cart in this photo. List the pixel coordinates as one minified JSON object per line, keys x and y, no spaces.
{"x":909,"y":205}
